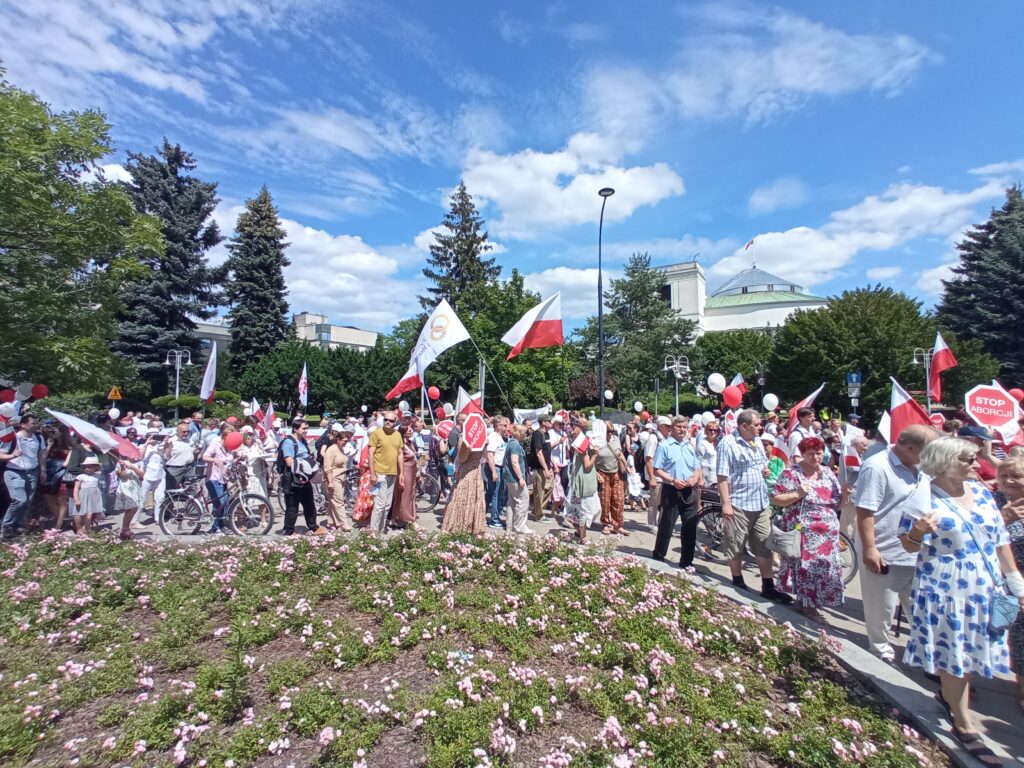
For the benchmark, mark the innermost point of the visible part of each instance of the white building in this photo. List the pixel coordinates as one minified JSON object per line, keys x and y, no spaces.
{"x":317,"y":329}
{"x":752,"y":299}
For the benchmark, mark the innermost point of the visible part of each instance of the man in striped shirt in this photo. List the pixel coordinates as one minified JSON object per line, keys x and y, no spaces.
{"x":742,"y":469}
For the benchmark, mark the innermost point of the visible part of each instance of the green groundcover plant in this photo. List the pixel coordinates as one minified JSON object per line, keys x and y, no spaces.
{"x":414,"y":650}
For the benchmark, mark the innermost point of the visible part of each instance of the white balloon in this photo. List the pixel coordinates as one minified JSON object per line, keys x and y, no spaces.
{"x":609,"y":395}
{"x":697,"y":418}
{"x":770,"y":402}
{"x":707,"y":417}
{"x":449,"y":409}
{"x":364,"y":408}
{"x":7,"y":410}
{"x":24,"y":391}
{"x":638,"y":406}
{"x":114,"y":413}
{"x":247,"y":411}
{"x":403,"y":405}
{"x":716,"y":383}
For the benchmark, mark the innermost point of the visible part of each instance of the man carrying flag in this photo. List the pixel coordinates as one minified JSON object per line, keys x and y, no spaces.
{"x":801,"y":416}
{"x":942,"y":360}
{"x":540,"y":327}
{"x":442,"y":331}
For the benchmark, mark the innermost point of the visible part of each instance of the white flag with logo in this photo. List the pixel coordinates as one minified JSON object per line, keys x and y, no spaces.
{"x":442,"y":331}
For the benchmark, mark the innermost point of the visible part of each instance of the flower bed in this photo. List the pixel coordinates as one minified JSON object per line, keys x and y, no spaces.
{"x":412,"y":651}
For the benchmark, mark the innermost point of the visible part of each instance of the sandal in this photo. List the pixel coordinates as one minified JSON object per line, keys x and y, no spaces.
{"x":975,"y":745}
{"x":606,"y":530}
{"x":125,"y":535}
{"x":945,"y":705}
{"x":621,"y":532}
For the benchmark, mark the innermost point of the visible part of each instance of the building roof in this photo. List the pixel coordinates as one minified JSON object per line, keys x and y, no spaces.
{"x":756,"y":280}
{"x":761,"y":297}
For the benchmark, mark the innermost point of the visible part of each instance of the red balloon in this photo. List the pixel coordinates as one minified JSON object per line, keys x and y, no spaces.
{"x":231,"y":419}
{"x":7,"y":395}
{"x":732,"y":396}
{"x":646,"y":415}
{"x":433,"y":393}
{"x":39,"y":391}
{"x":233,"y":441}
{"x":439,"y":412}
{"x":1017,"y":394}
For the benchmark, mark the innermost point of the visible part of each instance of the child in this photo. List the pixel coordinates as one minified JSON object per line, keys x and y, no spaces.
{"x":129,"y":494}
{"x":87,"y":495}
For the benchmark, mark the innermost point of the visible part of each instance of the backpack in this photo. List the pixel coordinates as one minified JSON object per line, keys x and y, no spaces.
{"x":279,"y":462}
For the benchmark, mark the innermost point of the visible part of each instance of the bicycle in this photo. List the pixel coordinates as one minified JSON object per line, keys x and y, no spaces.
{"x":187,"y":509}
{"x":319,"y":493}
{"x":247,"y":513}
{"x":428,"y":491}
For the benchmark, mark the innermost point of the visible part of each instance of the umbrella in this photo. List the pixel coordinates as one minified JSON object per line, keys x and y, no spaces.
{"x":103,"y":440}
{"x":618,"y":417}
{"x":126,"y":447}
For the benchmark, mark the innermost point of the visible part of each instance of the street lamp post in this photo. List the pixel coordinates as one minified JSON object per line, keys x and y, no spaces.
{"x":924,"y":357}
{"x":605,"y":193}
{"x":680,"y":367}
{"x":179,"y":356}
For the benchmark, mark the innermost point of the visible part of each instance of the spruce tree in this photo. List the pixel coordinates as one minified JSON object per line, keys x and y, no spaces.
{"x":159,"y":309}
{"x":984,"y":300}
{"x":457,"y":268}
{"x":255,"y":288}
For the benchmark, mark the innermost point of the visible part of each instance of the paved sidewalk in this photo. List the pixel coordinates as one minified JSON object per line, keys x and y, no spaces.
{"x":994,"y":701}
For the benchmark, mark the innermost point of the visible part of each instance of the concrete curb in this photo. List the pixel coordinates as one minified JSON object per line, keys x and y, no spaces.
{"x":917,"y":703}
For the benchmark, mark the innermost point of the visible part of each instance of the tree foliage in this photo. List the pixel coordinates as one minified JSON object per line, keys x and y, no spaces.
{"x":871,"y":330}
{"x":68,"y":239}
{"x":180,"y":285}
{"x":256,"y":289}
{"x":640,"y":329}
{"x":732,"y":352}
{"x":984,"y":300}
{"x":458,"y":269}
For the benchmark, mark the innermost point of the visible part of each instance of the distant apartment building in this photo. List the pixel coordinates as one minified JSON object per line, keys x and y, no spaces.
{"x":315,"y":329}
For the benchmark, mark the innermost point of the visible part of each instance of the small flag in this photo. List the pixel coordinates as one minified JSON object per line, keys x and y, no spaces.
{"x":540,"y":327}
{"x":885,"y":426}
{"x":904,"y":411}
{"x":582,"y":443}
{"x":268,"y":416}
{"x":442,"y":331}
{"x":780,"y":450}
{"x":304,"y":387}
{"x":942,"y":360}
{"x":807,"y":402}
{"x":467,"y":403}
{"x":255,"y":411}
{"x":747,"y":246}
{"x":738,"y":381}
{"x":209,"y":387}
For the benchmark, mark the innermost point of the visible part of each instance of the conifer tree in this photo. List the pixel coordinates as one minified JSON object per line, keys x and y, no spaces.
{"x":160,"y":308}
{"x":984,"y":300}
{"x":256,"y":289}
{"x":457,"y":268}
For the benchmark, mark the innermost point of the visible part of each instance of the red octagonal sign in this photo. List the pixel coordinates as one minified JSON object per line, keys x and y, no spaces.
{"x":474,"y":432}
{"x":990,"y":406}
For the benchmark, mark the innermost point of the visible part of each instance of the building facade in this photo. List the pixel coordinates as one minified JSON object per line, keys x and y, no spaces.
{"x":752,"y":299}
{"x":317,"y":329}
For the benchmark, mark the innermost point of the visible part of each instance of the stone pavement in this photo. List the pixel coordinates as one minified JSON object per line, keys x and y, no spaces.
{"x":994,"y":701}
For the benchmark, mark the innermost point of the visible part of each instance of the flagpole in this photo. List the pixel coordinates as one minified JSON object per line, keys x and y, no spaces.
{"x":495,"y":378}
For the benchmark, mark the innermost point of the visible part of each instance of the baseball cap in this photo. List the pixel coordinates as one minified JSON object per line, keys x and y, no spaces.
{"x":247,"y":430}
{"x":972,"y":431}
{"x":90,"y":461}
{"x":557,"y":418}
{"x":650,"y":425}
{"x":768,"y":437}
{"x":337,"y":427}
{"x":853,"y":417}
{"x":664,"y":421}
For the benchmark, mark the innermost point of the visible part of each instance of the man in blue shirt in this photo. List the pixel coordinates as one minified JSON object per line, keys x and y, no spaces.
{"x":295,"y":480}
{"x":676,"y":465}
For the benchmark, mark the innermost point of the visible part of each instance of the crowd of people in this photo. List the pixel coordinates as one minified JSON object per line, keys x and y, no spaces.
{"x":938,"y":518}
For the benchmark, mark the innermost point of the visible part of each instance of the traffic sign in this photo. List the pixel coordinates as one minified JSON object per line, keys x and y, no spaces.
{"x":990,"y":406}
{"x":474,"y":432}
{"x":938,"y":420}
{"x":853,"y":378}
{"x":115,"y":393}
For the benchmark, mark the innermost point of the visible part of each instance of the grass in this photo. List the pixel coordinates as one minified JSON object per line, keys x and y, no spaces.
{"x":436,"y":651}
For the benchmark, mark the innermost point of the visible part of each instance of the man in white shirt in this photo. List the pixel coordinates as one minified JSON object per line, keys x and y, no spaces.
{"x":559,"y":441}
{"x":493,"y":483}
{"x":804,"y":428}
{"x":179,"y":455}
{"x":153,"y":480}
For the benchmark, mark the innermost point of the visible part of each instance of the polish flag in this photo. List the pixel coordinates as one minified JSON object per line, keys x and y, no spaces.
{"x":885,"y":426}
{"x":729,"y":422}
{"x":209,"y":388}
{"x":904,"y":411}
{"x":807,"y":402}
{"x":304,"y":387}
{"x":747,"y":246}
{"x":467,"y":403}
{"x":942,"y":360}
{"x":540,"y":327}
{"x":851,"y":459}
{"x":737,"y":381}
{"x":442,"y":331}
{"x":255,"y":410}
{"x":268,"y":416}
{"x":780,"y":450}
{"x":582,"y":443}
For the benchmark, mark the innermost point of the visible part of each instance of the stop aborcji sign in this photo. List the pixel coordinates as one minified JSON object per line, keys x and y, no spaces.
{"x":474,"y":432}
{"x":990,"y":406}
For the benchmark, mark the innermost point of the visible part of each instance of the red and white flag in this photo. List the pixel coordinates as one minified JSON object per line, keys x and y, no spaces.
{"x":904,"y":411}
{"x":885,"y":426}
{"x":738,"y":381}
{"x":780,"y":449}
{"x":540,"y":327}
{"x":729,"y":422}
{"x":582,"y":443}
{"x":851,"y":459}
{"x":255,"y":411}
{"x":442,"y":331}
{"x":467,"y":403}
{"x":747,"y":246}
{"x":807,"y":402}
{"x":304,"y":387}
{"x":209,"y":388}
{"x":268,"y":416}
{"x":942,"y":360}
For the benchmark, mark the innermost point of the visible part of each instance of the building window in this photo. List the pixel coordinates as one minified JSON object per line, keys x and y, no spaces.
{"x":666,"y":294}
{"x":743,"y":290}
{"x":771,"y":287}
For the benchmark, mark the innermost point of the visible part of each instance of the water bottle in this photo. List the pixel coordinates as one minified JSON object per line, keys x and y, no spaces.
{"x":375,"y":488}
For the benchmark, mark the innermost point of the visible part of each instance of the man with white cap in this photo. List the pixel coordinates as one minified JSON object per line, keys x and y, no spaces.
{"x":559,"y":440}
{"x":663,"y":427}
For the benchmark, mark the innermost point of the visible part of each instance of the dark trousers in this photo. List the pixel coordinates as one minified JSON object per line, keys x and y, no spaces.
{"x":676,"y":503}
{"x":294,"y":495}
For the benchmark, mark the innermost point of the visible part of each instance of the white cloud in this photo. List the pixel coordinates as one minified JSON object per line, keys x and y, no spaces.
{"x":902,"y":213}
{"x":788,"y":192}
{"x":578,"y":287}
{"x":585,"y":32}
{"x":929,"y":281}
{"x":108,"y":172}
{"x":883,"y":273}
{"x":903,"y":170}
{"x":1000,"y":170}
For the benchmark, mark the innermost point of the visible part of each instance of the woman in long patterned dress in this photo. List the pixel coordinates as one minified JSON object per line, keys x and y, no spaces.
{"x":1010,"y":475}
{"x":466,"y":508}
{"x":964,"y":558}
{"x":810,"y":496}
{"x":403,"y":505}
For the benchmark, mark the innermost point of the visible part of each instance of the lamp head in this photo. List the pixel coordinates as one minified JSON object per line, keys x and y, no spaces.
{"x":606,"y":192}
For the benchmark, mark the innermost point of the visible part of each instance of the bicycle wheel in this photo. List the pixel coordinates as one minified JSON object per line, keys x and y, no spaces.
{"x":848,"y":555}
{"x":711,"y":534}
{"x":351,"y":487}
{"x":427,"y":492}
{"x":181,"y":514}
{"x":251,"y":515}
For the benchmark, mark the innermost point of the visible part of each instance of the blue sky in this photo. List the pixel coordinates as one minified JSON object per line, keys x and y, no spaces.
{"x":852,"y":142}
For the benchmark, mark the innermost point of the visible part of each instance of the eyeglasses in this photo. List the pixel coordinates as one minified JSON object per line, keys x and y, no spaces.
{"x":389,"y":421}
{"x":967,"y":460}
{"x":711,"y":429}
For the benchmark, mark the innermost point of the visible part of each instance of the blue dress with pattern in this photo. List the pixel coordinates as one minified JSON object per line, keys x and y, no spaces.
{"x":953,"y":588}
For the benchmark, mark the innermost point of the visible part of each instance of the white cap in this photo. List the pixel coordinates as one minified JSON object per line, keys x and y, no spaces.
{"x":557,"y":419}
{"x":664,"y":421}
{"x":768,"y":438}
{"x":650,"y":425}
{"x":337,"y":427}
{"x":247,"y":430}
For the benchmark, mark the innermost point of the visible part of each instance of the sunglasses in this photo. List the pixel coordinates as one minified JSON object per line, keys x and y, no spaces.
{"x":389,"y":421}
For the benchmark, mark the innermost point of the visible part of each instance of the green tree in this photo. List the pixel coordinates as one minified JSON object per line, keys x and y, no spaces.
{"x":871,"y":330}
{"x":640,"y":329}
{"x":457,"y":267}
{"x":161,"y":307}
{"x":732,"y":352}
{"x":68,"y":239}
{"x":984,"y":300}
{"x":256,"y":289}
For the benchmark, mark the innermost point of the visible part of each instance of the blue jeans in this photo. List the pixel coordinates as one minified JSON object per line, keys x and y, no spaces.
{"x":494,"y":493}
{"x":218,"y":497}
{"x":22,"y":487}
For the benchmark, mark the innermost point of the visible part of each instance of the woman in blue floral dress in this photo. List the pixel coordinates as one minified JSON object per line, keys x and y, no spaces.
{"x":810,"y":496}
{"x":964,"y":556}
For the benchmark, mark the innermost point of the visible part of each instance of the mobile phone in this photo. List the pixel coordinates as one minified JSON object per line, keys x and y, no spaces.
{"x":885,"y":570}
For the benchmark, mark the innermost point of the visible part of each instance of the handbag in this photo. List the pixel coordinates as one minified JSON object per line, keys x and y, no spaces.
{"x":1003,"y":609}
{"x":784,"y":543}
